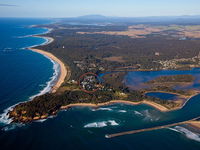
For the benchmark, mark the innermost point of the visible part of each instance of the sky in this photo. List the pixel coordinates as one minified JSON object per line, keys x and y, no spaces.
{"x":121,"y":8}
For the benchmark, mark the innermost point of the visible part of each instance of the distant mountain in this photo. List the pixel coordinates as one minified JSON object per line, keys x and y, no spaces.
{"x":101,"y":17}
{"x":135,"y":20}
{"x":95,"y":17}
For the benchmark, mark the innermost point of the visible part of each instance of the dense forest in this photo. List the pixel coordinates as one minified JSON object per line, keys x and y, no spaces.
{"x":49,"y":104}
{"x":93,"y":48}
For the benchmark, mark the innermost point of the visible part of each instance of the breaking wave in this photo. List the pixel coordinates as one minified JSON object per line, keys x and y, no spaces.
{"x":102,"y":108}
{"x":12,"y":127}
{"x":122,"y":111}
{"x":4,"y":117}
{"x":189,"y":134}
{"x":41,"y":120}
{"x":138,"y":113}
{"x":101,"y":124}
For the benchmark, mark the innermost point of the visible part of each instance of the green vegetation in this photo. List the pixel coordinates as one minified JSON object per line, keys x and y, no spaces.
{"x":88,"y":52}
{"x":172,"y":78}
{"x":167,"y":84}
{"x":50,"y":104}
{"x":169,"y":89}
{"x":114,"y":80}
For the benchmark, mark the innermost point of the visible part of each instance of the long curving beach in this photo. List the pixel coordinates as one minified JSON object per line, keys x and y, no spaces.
{"x":63,"y":70}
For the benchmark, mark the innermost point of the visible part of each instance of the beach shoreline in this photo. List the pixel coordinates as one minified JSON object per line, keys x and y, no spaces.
{"x":49,"y":39}
{"x":145,"y":102}
{"x":62,"y":70}
{"x":152,"y":104}
{"x":92,"y":105}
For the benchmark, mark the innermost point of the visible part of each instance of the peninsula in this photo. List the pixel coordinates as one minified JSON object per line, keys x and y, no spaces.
{"x":79,"y":49}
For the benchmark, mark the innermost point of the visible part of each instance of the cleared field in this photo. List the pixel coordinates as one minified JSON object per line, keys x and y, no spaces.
{"x":140,"y":31}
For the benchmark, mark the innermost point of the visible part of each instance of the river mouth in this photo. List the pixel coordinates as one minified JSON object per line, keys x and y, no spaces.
{"x":96,"y":123}
{"x":135,"y":80}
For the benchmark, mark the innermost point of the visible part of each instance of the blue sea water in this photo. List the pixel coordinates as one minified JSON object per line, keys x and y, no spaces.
{"x":25,"y":73}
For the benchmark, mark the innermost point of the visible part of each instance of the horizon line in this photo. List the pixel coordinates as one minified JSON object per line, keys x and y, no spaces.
{"x":102,"y":16}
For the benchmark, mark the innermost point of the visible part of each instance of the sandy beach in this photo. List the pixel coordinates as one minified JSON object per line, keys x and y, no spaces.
{"x":63,"y":70}
{"x":155,"y":105}
{"x":49,"y":39}
{"x":146,"y":102}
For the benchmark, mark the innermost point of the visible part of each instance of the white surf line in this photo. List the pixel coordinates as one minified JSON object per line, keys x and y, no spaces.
{"x":186,"y":132}
{"x":189,"y":99}
{"x":4,"y":117}
{"x":149,"y":129}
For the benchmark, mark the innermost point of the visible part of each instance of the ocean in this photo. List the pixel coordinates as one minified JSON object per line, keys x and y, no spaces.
{"x":25,"y":73}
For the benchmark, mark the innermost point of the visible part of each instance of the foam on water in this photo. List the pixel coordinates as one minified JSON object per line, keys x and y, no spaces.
{"x":96,"y":125}
{"x":113,"y":123}
{"x":122,"y":111}
{"x":108,"y":109}
{"x":189,"y":134}
{"x":138,"y":113}
{"x":103,"y":109}
{"x":12,"y":126}
{"x":47,"y":41}
{"x":4,"y":117}
{"x":149,"y":116}
{"x":101,"y":124}
{"x":50,"y":83}
{"x":32,"y":35}
{"x":41,"y":120}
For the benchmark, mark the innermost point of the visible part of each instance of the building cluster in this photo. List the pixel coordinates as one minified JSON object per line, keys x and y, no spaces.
{"x":91,"y":83}
{"x":178,"y":63}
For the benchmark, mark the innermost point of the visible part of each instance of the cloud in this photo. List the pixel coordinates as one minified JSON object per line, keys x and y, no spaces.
{"x":8,"y":5}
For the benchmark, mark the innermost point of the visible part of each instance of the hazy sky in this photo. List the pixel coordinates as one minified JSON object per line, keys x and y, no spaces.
{"x":70,"y":8}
